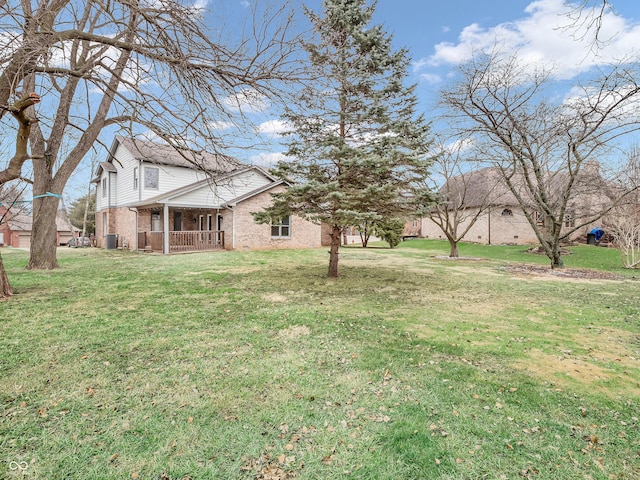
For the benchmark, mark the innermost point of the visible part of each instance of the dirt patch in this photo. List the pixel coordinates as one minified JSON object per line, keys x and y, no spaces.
{"x":540,"y":251}
{"x":446,"y":257}
{"x":570,"y":273}
{"x":295,"y":331}
{"x":275,"y":298}
{"x":595,"y":370}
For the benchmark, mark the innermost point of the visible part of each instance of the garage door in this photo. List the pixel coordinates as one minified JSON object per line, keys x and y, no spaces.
{"x":24,"y":241}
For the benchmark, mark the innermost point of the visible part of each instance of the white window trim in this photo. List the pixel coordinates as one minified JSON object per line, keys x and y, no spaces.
{"x":157,"y":170}
{"x":280,"y":226}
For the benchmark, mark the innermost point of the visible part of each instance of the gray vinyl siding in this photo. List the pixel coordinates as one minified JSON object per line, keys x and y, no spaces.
{"x":108,"y":198}
{"x":224,"y":191}
{"x":125,"y":164}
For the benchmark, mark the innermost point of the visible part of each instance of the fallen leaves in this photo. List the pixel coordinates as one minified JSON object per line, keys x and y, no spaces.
{"x":266,"y":467}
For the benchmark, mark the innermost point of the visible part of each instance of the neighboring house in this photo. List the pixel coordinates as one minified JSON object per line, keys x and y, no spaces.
{"x":503,"y":220}
{"x":151,"y":197}
{"x":15,"y":230}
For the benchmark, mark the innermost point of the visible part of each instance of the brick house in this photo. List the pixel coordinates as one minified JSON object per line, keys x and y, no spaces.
{"x":151,"y":197}
{"x":15,"y":229}
{"x":502,"y":220}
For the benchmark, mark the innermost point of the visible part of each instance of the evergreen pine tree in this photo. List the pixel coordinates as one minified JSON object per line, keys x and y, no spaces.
{"x":356,"y":146}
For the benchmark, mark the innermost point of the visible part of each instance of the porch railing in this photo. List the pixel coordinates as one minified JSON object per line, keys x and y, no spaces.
{"x":195,"y":240}
{"x":183,"y":241}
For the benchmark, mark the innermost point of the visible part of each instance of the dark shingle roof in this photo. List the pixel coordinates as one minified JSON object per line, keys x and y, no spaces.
{"x":163,"y":154}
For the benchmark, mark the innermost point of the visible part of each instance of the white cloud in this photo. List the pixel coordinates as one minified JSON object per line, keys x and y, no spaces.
{"x":459,"y":146}
{"x":267,"y":160}
{"x":221,"y":125}
{"x":200,"y":5}
{"x":247,"y":101}
{"x":273,"y":128}
{"x":543,"y":36}
{"x":431,"y":78}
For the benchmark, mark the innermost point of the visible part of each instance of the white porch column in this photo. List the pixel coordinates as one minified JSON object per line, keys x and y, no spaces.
{"x":165,"y":229}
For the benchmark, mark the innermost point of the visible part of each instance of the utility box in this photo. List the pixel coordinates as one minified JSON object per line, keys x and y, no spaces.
{"x":111,"y":241}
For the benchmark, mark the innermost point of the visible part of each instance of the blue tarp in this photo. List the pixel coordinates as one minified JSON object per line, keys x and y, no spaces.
{"x":598,"y":232}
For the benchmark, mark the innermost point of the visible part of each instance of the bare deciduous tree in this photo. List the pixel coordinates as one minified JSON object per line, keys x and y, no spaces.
{"x":465,"y":192}
{"x":160,"y":67}
{"x":624,"y":227}
{"x":623,"y":222}
{"x":547,"y":151}
{"x":19,"y":110}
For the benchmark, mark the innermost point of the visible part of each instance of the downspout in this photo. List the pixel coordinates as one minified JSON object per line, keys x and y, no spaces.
{"x":139,"y":181}
{"x":489,"y":210}
{"x":228,"y":206}
{"x":135,"y":211}
{"x":139,"y":187}
{"x":233,"y":227}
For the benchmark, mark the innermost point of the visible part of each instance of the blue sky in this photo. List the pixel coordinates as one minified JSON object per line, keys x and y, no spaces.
{"x":439,"y":36}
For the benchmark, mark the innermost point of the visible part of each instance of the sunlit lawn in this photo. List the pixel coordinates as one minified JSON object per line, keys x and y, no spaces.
{"x":245,"y":365}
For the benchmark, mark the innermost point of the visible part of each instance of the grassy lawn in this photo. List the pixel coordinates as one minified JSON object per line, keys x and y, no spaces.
{"x":253,"y":365}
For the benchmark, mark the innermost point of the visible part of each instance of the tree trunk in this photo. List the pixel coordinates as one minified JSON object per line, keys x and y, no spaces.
{"x":556,"y":257}
{"x":5,"y":286}
{"x":44,"y":235}
{"x":333,"y":253}
{"x":453,"y":253}
{"x":365,"y":239}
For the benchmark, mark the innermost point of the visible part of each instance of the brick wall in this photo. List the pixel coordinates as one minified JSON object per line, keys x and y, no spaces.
{"x":498,"y":229}
{"x":121,"y":221}
{"x":251,"y":235}
{"x":501,"y":228}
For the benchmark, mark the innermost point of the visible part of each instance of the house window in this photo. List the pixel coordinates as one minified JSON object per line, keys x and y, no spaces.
{"x":177,"y":221}
{"x":507,"y":213}
{"x":281,"y":229}
{"x":135,"y":178}
{"x":151,"y":178}
{"x":156,"y":223}
{"x":415,"y":223}
{"x":538,"y":218}
{"x":105,"y":183}
{"x":569,"y":219}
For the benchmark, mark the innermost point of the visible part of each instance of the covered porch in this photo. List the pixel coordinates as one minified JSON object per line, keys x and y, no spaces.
{"x":167,"y":229}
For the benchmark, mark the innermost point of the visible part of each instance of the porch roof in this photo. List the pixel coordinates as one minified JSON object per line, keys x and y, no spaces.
{"x":173,"y":197}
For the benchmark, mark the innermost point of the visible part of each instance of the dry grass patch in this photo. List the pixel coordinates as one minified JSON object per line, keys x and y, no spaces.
{"x":609,"y":366}
{"x":565,"y":372}
{"x":295,"y":331}
{"x":275,"y":298}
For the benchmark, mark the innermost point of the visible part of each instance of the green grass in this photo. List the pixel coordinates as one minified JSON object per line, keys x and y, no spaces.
{"x":245,"y":365}
{"x":580,"y":256}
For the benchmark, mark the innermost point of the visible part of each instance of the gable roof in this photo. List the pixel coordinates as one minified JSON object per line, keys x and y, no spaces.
{"x":162,"y":154}
{"x":24,"y":223}
{"x":477,"y":189}
{"x":208,"y":182}
{"x":487,"y":186}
